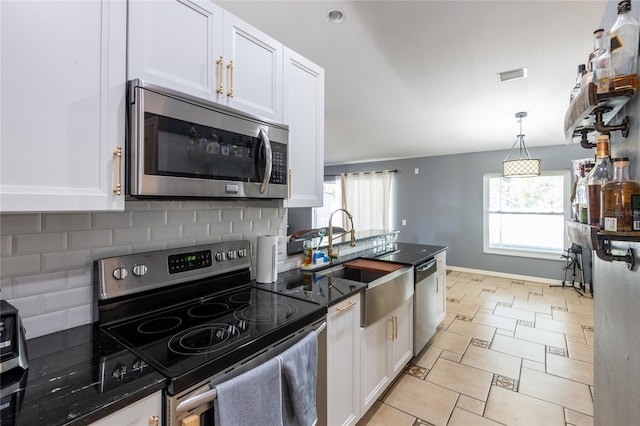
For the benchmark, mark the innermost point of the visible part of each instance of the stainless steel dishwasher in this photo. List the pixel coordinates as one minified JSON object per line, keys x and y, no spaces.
{"x":424,"y":304}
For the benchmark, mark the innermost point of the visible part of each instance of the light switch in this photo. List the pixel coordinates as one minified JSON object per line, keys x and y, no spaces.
{"x":404,"y":222}
{"x":417,"y":170}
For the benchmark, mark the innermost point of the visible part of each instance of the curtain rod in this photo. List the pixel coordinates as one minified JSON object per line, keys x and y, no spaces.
{"x":366,"y":173}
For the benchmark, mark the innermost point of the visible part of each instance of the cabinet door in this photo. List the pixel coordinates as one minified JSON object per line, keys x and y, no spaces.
{"x":63,"y":97}
{"x":140,"y":413}
{"x":176,"y":44}
{"x":254,"y":81}
{"x":343,"y":362}
{"x":402,"y":344}
{"x":441,"y":287}
{"x":304,"y":113}
{"x":374,"y":370}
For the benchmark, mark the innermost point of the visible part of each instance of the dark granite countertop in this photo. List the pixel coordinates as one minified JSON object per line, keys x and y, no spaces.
{"x":65,"y":380}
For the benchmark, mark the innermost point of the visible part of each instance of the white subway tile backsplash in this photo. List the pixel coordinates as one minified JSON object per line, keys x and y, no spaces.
{"x":19,"y":265}
{"x":195,"y":230}
{"x":20,"y":223}
{"x":111,"y":220}
{"x":90,"y":239}
{"x":65,"y":260}
{"x":57,"y":222}
{"x":39,"y":243}
{"x":79,"y":277}
{"x":6,"y":288}
{"x":79,"y":315}
{"x":66,"y":299}
{"x":164,"y":233}
{"x":39,"y":284}
{"x":46,"y":264}
{"x":45,"y":324}
{"x":237,"y":227}
{"x":211,"y":215}
{"x":131,"y":235}
{"x":149,"y":218}
{"x":181,"y":216}
{"x":6,"y":245}
{"x":28,"y":306}
{"x":229,"y":215}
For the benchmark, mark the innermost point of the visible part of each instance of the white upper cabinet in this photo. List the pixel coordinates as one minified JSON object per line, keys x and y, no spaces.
{"x":62,"y":88}
{"x":304,"y":113}
{"x":176,"y":44}
{"x":196,"y":47}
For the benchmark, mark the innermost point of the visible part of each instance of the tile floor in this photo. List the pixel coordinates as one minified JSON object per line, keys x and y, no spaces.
{"x":509,"y":352}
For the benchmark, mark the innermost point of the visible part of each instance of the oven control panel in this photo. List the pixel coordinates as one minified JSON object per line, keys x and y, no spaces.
{"x":121,"y":275}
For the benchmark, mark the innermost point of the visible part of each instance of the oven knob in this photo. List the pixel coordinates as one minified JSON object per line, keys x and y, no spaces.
{"x":119,"y":372}
{"x":140,"y":270}
{"x":242,"y":252}
{"x":232,"y":254}
{"x":220,"y":256}
{"x":120,"y":273}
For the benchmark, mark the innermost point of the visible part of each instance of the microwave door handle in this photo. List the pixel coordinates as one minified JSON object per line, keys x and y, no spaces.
{"x":269,"y":160}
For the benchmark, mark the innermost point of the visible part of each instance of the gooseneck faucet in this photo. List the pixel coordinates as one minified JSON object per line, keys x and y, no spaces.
{"x":332,"y":255}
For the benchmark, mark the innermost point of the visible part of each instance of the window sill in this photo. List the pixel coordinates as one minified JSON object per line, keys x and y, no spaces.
{"x":524,"y":253}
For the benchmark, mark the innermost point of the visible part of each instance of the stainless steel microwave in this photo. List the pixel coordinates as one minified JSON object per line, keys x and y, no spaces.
{"x":181,"y":146}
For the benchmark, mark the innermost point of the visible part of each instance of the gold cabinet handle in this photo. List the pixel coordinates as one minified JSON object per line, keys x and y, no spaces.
{"x":437,"y":285}
{"x":395,"y":327}
{"x":118,"y":153}
{"x":349,"y":305}
{"x":230,"y":68}
{"x":392,"y":329}
{"x":220,"y":88}
{"x":154,"y":421}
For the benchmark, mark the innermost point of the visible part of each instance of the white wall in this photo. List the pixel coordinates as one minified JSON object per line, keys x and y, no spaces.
{"x":46,"y":259}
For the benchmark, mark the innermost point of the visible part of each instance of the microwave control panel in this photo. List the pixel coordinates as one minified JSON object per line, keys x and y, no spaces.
{"x":279,"y":168}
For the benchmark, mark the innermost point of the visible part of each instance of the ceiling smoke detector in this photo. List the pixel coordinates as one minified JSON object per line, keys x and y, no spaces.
{"x":335,"y":16}
{"x":516,"y":74}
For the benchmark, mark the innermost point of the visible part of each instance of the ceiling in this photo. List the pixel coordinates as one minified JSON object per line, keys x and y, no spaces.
{"x":419,"y":78}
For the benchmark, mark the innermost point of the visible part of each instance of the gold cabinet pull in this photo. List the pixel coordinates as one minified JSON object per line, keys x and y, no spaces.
{"x":437,"y":285}
{"x":118,"y":153}
{"x":230,"y":68}
{"x":393,"y":327}
{"x":220,"y":88}
{"x":349,"y":305}
{"x":154,"y":421}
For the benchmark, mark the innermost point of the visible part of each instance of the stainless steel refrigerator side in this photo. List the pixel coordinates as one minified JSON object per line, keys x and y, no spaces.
{"x":617,"y":345}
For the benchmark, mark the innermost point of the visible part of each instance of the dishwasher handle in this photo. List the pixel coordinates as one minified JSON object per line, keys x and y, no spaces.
{"x":425,"y":269}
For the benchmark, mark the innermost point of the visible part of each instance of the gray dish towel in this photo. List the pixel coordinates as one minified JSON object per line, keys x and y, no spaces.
{"x":252,"y":398}
{"x":299,"y":371}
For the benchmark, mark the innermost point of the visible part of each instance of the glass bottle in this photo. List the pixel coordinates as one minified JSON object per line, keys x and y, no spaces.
{"x":602,"y":65}
{"x":597,"y":34}
{"x":602,"y":173}
{"x":578,"y":86}
{"x":624,"y":46}
{"x":617,"y":196}
{"x":583,"y":212}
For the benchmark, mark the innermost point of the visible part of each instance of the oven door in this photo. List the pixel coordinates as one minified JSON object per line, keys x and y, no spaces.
{"x":195,"y":406}
{"x":183,"y":147}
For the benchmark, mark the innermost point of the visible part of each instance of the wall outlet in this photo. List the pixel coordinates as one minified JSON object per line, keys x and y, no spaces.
{"x":404,"y":222}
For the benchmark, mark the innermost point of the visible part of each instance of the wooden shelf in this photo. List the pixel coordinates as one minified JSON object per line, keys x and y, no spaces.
{"x":581,"y":116}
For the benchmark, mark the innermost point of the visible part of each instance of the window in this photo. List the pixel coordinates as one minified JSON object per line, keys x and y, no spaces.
{"x":525,"y":216}
{"x":332,"y":200}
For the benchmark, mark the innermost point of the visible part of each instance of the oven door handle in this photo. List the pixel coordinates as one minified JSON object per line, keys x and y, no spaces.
{"x":196,"y":401}
{"x":212,"y":394}
{"x":268,"y":158}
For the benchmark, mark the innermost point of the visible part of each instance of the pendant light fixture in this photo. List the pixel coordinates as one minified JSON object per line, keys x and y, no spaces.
{"x":523,"y":166}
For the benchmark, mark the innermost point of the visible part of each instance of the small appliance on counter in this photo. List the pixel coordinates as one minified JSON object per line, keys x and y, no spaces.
{"x":267,"y":259}
{"x":13,"y":343}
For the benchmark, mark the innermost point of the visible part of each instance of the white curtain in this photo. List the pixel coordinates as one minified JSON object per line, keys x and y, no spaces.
{"x":367,"y":196}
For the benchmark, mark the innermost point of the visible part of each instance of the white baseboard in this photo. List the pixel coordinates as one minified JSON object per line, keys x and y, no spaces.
{"x":505,"y":275}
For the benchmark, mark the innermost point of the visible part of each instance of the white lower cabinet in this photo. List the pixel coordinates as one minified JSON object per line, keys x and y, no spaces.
{"x":343,"y":359}
{"x":441,"y":287}
{"x":386,"y":348}
{"x":146,"y":412}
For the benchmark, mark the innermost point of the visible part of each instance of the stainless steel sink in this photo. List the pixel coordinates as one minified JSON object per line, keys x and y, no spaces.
{"x":384,"y":293}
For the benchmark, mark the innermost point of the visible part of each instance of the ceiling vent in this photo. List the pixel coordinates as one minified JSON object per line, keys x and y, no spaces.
{"x":513,"y":74}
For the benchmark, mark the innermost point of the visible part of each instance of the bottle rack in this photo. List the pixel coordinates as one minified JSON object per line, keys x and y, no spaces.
{"x":591,"y":111}
{"x":595,"y":239}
